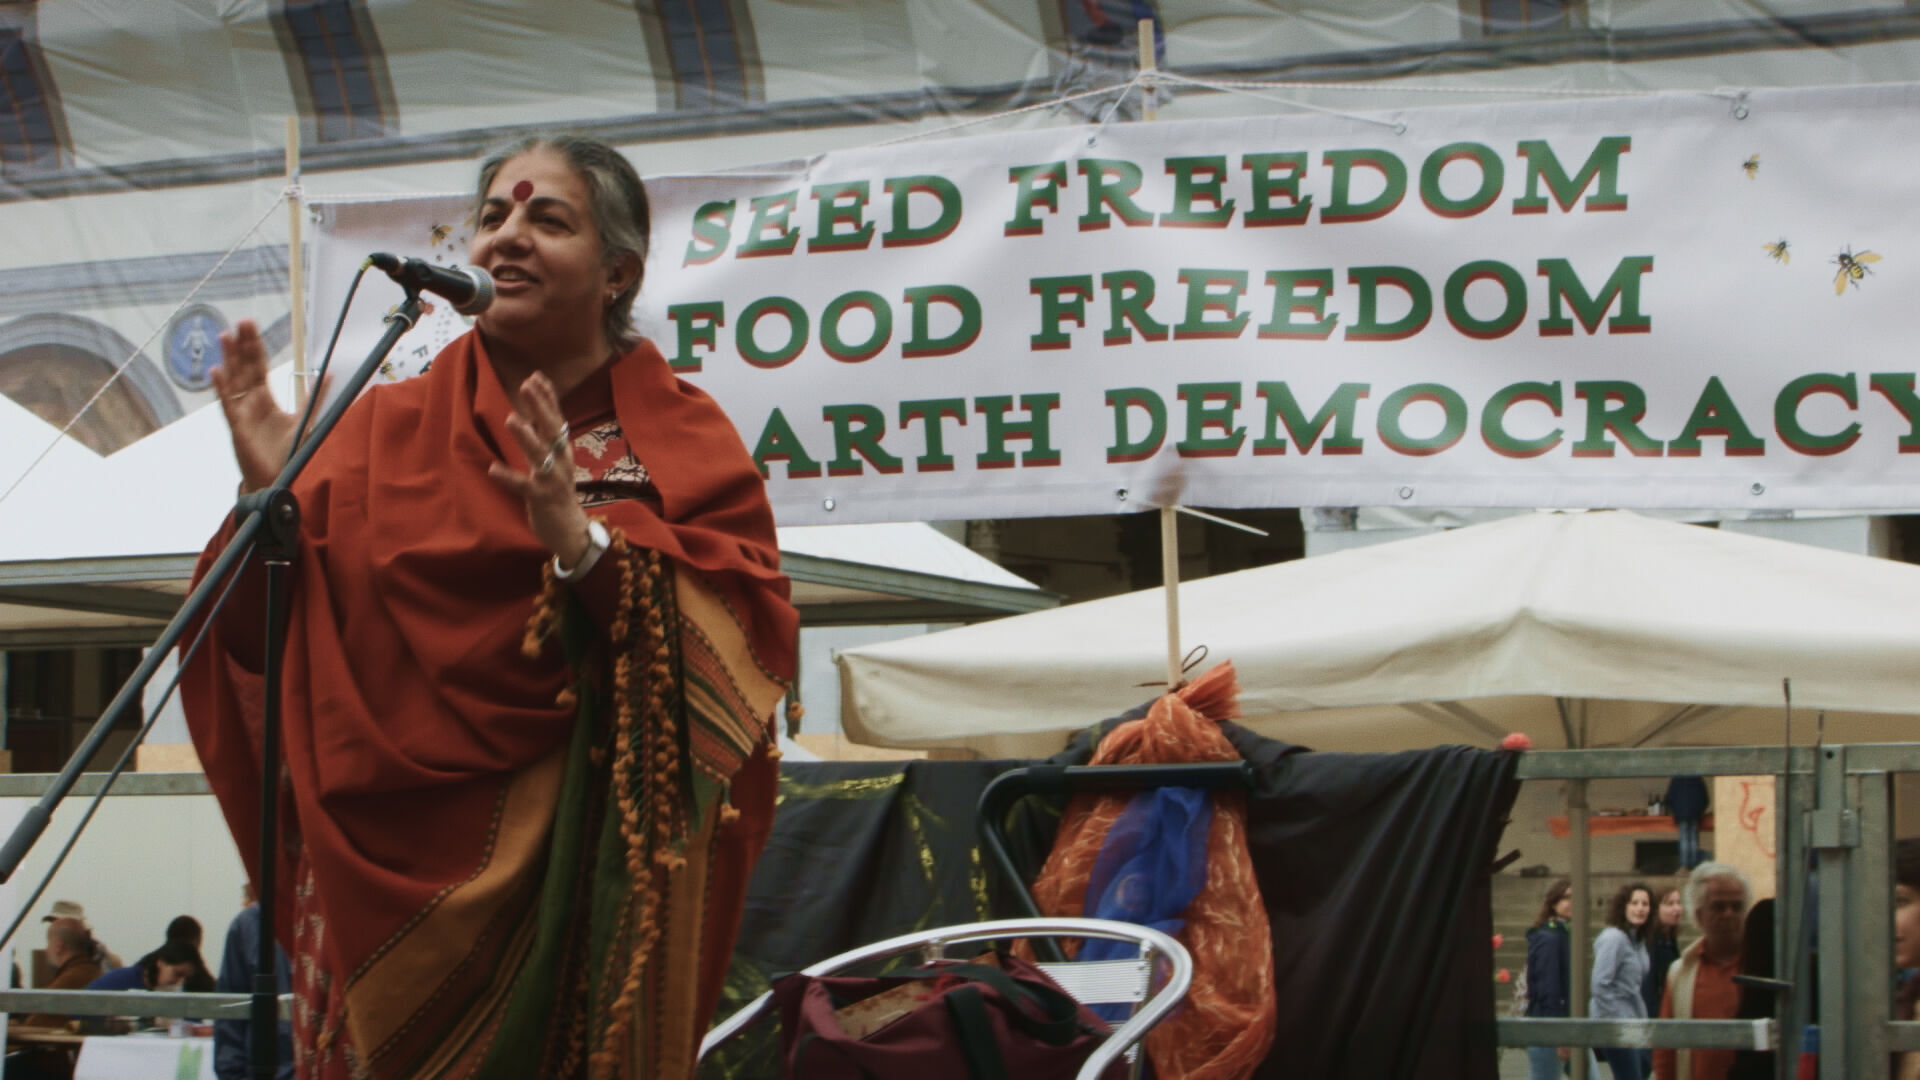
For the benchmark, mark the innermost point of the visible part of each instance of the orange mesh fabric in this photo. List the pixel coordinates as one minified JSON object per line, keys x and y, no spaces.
{"x":1227,"y":1024}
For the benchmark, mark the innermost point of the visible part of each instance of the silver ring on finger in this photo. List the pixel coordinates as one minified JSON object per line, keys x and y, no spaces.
{"x":554,"y":449}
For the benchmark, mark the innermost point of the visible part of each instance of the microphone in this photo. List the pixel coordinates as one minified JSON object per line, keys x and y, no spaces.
{"x":469,"y":288}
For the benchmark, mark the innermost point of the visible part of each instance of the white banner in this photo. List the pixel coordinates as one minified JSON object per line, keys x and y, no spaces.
{"x":1683,"y":300}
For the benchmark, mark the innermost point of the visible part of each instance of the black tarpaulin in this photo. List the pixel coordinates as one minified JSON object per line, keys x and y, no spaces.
{"x":1373,"y":868}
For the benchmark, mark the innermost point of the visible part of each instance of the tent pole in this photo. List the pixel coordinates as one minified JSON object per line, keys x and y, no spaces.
{"x":1170,"y":584}
{"x":1582,"y":907}
{"x":1144,"y":33}
{"x":296,"y":271}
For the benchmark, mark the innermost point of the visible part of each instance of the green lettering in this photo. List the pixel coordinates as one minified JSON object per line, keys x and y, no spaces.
{"x":1036,"y":430}
{"x":856,"y":435}
{"x":1564,"y":284}
{"x":1125,"y":446}
{"x":1282,"y":410}
{"x":779,"y":443}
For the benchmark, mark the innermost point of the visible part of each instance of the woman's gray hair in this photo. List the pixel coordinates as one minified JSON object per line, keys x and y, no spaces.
{"x":618,"y":202}
{"x":1706,"y":872}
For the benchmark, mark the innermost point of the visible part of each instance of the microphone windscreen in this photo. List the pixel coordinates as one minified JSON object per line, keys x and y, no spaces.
{"x":482,"y":291}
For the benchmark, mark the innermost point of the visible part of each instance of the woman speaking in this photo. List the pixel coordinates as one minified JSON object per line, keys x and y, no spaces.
{"x":538,"y":634}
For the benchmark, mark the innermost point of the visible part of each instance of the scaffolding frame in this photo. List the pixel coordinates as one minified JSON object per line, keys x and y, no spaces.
{"x":1833,"y":814}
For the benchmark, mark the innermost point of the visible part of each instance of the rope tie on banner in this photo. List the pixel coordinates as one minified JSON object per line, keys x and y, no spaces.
{"x":291,"y":190}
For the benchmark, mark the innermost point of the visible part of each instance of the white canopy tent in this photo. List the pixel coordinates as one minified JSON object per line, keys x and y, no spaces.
{"x":99,"y":550}
{"x":1582,"y":630}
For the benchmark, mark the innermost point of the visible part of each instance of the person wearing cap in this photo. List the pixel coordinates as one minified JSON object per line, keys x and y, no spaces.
{"x":106,"y":958}
{"x":70,"y":950}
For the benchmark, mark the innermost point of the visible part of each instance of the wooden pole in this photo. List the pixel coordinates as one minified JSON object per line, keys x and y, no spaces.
{"x":1170,"y":582}
{"x":1169,"y":516}
{"x":1144,"y":31}
{"x":296,"y":268}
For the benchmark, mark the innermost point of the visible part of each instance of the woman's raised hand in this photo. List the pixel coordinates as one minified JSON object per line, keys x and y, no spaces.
{"x":553,"y":507}
{"x":262,"y":431}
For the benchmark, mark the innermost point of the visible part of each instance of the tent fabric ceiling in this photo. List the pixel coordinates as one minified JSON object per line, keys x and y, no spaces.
{"x":206,"y":82}
{"x":1641,"y":630}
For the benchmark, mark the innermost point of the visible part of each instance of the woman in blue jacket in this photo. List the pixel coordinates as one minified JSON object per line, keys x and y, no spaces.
{"x":1549,"y":986}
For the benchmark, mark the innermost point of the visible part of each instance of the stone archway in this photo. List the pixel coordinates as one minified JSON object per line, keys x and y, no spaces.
{"x":51,"y":364}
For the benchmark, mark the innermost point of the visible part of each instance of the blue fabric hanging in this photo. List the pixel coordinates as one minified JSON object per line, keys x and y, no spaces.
{"x":1150,"y":867}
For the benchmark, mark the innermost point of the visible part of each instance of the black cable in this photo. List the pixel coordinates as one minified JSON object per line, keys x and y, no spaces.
{"x":319,"y":377}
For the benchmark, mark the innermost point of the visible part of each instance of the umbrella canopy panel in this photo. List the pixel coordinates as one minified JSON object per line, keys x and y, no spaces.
{"x":1594,"y":629}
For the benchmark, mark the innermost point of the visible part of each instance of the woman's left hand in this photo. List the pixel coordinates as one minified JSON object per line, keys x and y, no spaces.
{"x":553,"y":508}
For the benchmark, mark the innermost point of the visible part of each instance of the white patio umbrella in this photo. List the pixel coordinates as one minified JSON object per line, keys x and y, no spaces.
{"x":1582,"y":630}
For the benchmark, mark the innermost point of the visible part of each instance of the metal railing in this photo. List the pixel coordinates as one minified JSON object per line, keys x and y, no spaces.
{"x":164,"y":1003}
{"x":1834,"y":823}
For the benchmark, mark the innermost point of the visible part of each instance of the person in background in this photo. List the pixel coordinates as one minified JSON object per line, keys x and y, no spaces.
{"x":1549,"y":992}
{"x":165,"y":968}
{"x":1663,"y":946}
{"x":1756,"y":1002}
{"x":70,"y":950}
{"x":1619,"y":969}
{"x":186,"y":930}
{"x":71,"y":909}
{"x":1701,"y":986}
{"x":1687,"y":804}
{"x":1906,"y":945}
{"x":232,"y":1046}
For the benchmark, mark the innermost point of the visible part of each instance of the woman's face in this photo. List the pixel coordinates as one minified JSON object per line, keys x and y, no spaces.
{"x":1671,"y":908}
{"x":1563,"y":907}
{"x":170,"y":976}
{"x":1906,"y":926}
{"x":535,"y":235}
{"x":1639,"y":906}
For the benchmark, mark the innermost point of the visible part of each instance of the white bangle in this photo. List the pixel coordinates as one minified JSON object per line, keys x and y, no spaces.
{"x":597,"y":543}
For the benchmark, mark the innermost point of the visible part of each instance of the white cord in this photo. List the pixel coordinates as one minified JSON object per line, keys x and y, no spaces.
{"x":1118,"y":88}
{"x":285,"y":193}
{"x":1242,"y":89}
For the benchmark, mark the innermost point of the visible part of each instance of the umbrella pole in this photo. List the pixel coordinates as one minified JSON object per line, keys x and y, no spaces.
{"x":1582,"y":907}
{"x":1170,"y":583}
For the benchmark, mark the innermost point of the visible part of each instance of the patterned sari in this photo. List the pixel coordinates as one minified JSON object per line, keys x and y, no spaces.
{"x":522,"y":814}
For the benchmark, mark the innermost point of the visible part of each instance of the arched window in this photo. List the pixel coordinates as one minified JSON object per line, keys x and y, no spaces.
{"x":52,"y":364}
{"x":707,"y":48}
{"x":337,"y":69}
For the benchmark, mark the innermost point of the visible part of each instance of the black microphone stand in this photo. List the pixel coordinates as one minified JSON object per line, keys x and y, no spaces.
{"x":269,"y":527}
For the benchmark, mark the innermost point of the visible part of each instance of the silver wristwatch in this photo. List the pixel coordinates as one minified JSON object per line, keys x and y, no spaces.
{"x":597,"y":543}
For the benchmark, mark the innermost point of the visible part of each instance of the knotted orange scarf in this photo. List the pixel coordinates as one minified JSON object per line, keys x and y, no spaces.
{"x":1227,"y":1024}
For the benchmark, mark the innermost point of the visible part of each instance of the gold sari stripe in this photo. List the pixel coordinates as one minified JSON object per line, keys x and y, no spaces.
{"x":389,"y":995}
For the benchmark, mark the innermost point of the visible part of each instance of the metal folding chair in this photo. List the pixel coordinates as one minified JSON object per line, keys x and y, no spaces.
{"x":1152,"y":984}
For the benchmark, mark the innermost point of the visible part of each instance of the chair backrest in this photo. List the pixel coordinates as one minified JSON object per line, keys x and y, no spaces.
{"x":1156,"y":981}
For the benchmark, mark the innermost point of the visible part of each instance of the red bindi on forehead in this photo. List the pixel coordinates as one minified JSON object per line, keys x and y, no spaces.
{"x":523,"y":191}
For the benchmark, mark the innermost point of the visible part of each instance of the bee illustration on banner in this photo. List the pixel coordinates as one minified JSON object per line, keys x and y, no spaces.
{"x":440,"y":234}
{"x":1751,"y":166}
{"x":1853,"y":269}
{"x":1777,"y":251}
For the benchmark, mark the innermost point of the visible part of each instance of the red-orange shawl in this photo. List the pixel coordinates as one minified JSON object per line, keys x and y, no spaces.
{"x":408,"y":706}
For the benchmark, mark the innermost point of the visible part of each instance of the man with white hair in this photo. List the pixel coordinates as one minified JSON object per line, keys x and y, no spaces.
{"x":1700,"y":984}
